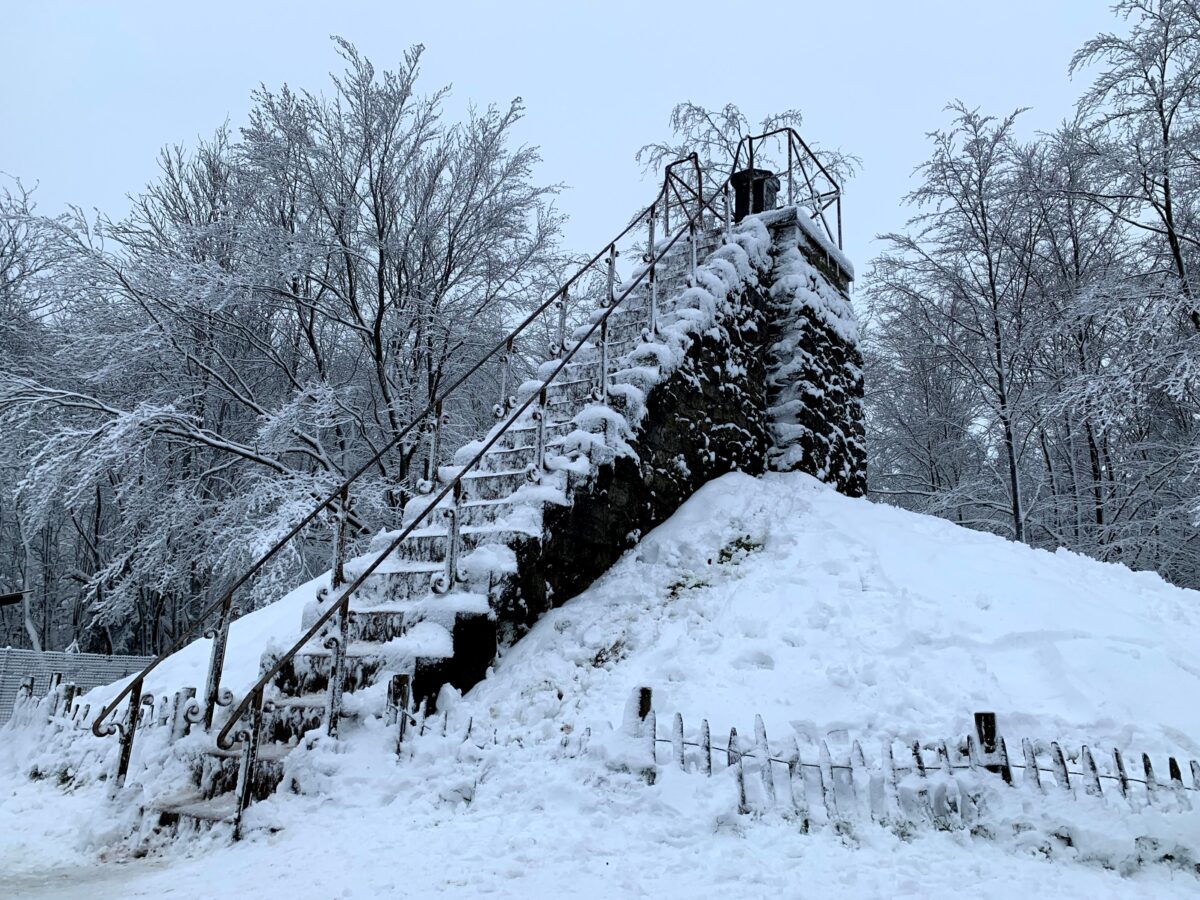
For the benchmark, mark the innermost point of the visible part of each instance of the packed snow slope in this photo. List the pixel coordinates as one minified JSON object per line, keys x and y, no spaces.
{"x":834,"y":618}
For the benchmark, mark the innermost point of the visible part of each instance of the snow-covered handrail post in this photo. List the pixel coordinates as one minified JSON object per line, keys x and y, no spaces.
{"x":335,"y":643}
{"x":538,"y":467}
{"x":560,"y":344}
{"x":507,"y":402}
{"x":652,"y":278}
{"x":250,"y":738}
{"x":337,"y":576}
{"x":443,"y":583}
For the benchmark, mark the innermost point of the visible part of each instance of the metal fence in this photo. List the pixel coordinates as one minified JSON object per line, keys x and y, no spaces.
{"x":86,"y":670}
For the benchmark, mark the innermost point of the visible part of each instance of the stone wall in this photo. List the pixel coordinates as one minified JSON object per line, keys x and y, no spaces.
{"x":814,"y":389}
{"x":706,"y":420}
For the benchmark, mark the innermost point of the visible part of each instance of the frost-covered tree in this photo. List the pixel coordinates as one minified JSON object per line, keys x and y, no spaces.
{"x":279,"y":305}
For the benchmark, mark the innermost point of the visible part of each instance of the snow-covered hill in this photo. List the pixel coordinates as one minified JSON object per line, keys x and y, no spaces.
{"x":833,"y":618}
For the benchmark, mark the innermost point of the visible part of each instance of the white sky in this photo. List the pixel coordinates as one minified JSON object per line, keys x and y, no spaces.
{"x":89,"y":91}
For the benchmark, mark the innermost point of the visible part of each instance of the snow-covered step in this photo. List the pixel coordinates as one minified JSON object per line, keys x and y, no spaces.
{"x":194,"y":805}
{"x":524,"y":435}
{"x":429,"y":544}
{"x":493,"y":485}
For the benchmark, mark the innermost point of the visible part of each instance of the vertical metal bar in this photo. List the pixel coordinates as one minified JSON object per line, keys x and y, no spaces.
{"x":453,"y":516}
{"x":666,"y":206}
{"x":338,"y":574}
{"x":435,"y":445}
{"x":728,"y":212}
{"x":791,"y":190}
{"x":128,"y":729}
{"x":539,"y":438}
{"x":505,"y":404}
{"x":401,"y":690}
{"x":216,"y":663}
{"x":562,"y":324}
{"x":612,"y":274}
{"x":250,"y":739}
{"x":653,"y":275}
{"x":336,"y":644}
{"x":839,"y":220}
{"x":692,"y":248}
{"x":602,"y":386}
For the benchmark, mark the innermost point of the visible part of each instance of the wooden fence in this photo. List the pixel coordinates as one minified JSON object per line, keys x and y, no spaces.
{"x":917,"y":781}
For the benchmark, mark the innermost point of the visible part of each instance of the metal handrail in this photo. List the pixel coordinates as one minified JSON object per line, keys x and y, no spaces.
{"x":214,"y":697}
{"x":254,"y":698}
{"x":338,"y":499}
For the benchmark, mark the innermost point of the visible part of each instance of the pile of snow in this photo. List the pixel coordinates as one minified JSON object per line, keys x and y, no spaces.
{"x":833,"y":618}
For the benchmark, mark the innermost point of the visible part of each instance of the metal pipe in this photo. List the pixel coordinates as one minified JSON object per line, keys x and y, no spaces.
{"x":442,"y":584}
{"x":538,"y":467}
{"x":561,"y":347}
{"x":336,"y":644}
{"x":653,"y":278}
{"x":692,"y":248}
{"x":338,"y":573}
{"x":250,"y":738}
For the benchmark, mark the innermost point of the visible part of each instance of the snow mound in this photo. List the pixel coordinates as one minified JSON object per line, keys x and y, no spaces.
{"x":833,"y":618}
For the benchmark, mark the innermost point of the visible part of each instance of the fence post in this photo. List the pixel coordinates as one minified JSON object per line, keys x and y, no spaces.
{"x":1060,"y":766}
{"x":985,"y":731}
{"x":762,"y":747}
{"x":677,"y":741}
{"x":399,"y":691}
{"x":1032,"y":775}
{"x":1091,"y":777}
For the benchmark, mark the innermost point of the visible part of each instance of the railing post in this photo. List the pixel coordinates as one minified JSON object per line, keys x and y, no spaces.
{"x":538,"y":467}
{"x":128,"y":729}
{"x":728,"y":213}
{"x":506,"y":402}
{"x":336,"y":644}
{"x":653,"y":276}
{"x":338,"y":574}
{"x":791,"y":180}
{"x":219,"y":635}
{"x":435,"y":448}
{"x":601,"y":391}
{"x":250,"y":740}
{"x":398,"y":700}
{"x":667,"y":206}
{"x":692,"y":248}
{"x":561,"y":303}
{"x":441,"y":584}
{"x":612,"y":275}
{"x":839,"y":220}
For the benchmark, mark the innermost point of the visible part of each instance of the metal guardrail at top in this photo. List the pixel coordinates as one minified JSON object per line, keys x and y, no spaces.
{"x":676,"y":192}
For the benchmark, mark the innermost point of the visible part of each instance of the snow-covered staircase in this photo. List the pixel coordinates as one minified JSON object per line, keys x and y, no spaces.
{"x":416,"y":617}
{"x":692,"y":365}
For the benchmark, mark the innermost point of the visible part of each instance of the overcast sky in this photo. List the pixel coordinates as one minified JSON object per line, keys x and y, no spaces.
{"x":90,"y":90}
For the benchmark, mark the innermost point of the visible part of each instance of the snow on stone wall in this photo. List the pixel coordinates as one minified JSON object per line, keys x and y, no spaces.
{"x":814,"y":367}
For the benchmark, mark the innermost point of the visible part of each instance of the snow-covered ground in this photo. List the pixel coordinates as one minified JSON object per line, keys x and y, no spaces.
{"x":833,"y":618}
